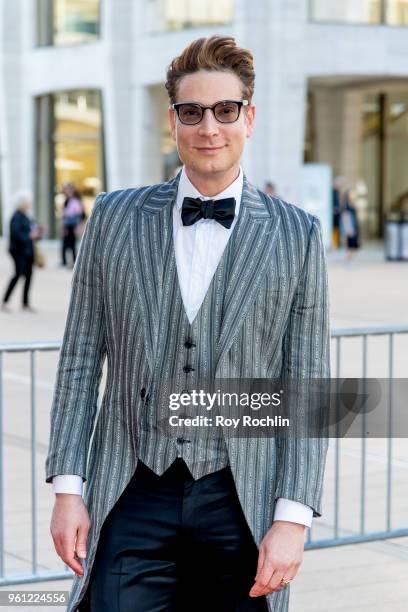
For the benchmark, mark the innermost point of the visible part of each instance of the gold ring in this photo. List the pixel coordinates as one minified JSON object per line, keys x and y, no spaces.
{"x":285,"y":582}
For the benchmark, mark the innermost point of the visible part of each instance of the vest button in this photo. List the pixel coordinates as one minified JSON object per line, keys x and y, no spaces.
{"x":142,"y":393}
{"x":189,"y":343}
{"x":183,"y":441}
{"x":188,"y":368}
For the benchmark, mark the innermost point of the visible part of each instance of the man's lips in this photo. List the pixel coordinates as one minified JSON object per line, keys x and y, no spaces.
{"x":210,"y":149}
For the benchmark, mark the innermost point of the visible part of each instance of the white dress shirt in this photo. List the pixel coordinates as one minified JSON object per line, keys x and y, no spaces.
{"x":198,"y":250}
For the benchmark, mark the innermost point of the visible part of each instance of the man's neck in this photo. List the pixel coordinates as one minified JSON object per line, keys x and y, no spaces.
{"x":212,"y":185}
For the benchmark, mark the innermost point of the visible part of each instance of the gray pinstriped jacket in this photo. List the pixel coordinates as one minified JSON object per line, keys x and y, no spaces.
{"x":275,"y":309}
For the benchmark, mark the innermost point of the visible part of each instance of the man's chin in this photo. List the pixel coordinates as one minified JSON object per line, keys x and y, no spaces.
{"x":210,"y":167}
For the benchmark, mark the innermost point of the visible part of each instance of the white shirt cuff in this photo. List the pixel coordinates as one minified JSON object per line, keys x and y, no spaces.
{"x":293,"y":511}
{"x":67,"y":483}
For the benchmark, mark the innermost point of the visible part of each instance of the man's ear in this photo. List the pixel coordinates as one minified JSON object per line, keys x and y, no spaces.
{"x":172,"y":120}
{"x":250,"y":119}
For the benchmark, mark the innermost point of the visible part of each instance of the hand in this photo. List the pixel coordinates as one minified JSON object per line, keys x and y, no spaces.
{"x":34,"y":233}
{"x":280,"y":556}
{"x":69,"y":529}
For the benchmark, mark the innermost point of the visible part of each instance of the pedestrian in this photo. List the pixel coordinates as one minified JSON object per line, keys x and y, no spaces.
{"x":336,"y":211}
{"x":72,"y":215}
{"x":202,"y":276}
{"x":23,"y":232}
{"x":270,"y":188}
{"x":349,"y":224}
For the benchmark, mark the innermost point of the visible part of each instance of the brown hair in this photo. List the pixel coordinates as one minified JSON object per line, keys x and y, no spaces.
{"x":213,"y":53}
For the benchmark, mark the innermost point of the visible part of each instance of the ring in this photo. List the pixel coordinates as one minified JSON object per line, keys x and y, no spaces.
{"x":285,"y":582}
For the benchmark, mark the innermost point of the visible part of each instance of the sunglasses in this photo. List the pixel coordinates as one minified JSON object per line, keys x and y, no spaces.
{"x":225,"y":111}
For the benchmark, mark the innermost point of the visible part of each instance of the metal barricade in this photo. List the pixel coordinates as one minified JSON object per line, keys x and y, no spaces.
{"x":339,"y":337}
{"x":336,"y":538}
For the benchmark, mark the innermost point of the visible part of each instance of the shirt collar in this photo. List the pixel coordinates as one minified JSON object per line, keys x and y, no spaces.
{"x":187,"y":190}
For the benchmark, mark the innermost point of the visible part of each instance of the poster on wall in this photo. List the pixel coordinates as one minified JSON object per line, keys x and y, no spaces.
{"x":316,"y":196}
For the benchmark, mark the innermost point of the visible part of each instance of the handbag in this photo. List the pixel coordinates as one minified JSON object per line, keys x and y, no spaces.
{"x":39,"y":258}
{"x":348,"y":223}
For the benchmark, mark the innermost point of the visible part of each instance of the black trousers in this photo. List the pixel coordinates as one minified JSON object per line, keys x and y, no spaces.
{"x":23,"y":267}
{"x":175,"y":544}
{"x":68,"y":244}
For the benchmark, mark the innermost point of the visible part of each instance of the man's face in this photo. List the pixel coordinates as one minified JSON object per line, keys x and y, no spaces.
{"x":211,"y":147}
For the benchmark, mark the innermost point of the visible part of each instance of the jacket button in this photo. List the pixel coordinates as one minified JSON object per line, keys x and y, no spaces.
{"x":142,"y":393}
{"x":188,"y":368}
{"x":189,"y":343}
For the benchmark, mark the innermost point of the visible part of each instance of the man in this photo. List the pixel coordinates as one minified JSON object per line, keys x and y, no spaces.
{"x":170,"y":287}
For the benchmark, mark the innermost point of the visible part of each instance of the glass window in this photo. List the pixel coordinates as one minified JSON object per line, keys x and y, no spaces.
{"x":397,"y":12}
{"x":397,"y":151}
{"x":69,"y":149}
{"x":390,"y":12}
{"x":347,"y":11}
{"x":68,"y":22}
{"x":178,"y":14}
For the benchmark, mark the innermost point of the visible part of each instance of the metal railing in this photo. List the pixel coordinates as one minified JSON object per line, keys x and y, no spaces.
{"x":338,"y":336}
{"x":35,"y":575}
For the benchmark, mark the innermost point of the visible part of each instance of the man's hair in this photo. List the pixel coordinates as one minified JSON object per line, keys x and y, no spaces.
{"x":214,"y":53}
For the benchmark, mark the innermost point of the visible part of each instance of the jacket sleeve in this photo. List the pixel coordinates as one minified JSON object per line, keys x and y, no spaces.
{"x":19,"y":230}
{"x":81,"y":360}
{"x":306,"y":349}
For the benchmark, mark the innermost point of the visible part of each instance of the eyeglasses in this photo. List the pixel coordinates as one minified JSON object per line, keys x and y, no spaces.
{"x":226,"y":111}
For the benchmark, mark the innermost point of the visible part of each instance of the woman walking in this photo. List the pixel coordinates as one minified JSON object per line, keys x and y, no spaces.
{"x":73,"y":214}
{"x":349,"y":224}
{"x":23,"y":231}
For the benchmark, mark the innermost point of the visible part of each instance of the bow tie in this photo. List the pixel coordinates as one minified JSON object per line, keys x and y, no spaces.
{"x":222,"y":210}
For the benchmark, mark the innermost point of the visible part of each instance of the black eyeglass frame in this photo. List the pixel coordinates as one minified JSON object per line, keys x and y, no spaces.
{"x":177,"y":105}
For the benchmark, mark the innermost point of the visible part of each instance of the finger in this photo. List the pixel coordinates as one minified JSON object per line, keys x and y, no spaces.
{"x":286,"y":577}
{"x":275,"y":581}
{"x":80,"y":546}
{"x":261,"y":588}
{"x":67,"y":554}
{"x":261,"y":583}
{"x":73,"y":564}
{"x":261,"y":559}
{"x":264,"y":576}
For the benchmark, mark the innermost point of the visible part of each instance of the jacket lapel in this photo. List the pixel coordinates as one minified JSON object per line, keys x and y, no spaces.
{"x":249,"y":254}
{"x":151,"y":244}
{"x":252,"y":243}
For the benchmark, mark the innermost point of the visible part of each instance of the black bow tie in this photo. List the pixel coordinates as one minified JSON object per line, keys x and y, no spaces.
{"x":222,"y":210}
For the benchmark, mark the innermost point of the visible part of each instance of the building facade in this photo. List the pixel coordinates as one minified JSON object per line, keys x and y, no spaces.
{"x":82,"y":95}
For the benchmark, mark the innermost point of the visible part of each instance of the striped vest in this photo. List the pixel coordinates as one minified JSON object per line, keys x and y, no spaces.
{"x":185,"y":353}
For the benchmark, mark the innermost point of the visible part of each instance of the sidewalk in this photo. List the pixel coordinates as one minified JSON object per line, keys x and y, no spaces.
{"x":353,"y":578}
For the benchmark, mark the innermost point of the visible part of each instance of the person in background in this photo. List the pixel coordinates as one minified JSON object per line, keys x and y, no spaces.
{"x":270,"y":189}
{"x":336,"y":210}
{"x":73,"y":214}
{"x":349,"y":224}
{"x":23,"y":231}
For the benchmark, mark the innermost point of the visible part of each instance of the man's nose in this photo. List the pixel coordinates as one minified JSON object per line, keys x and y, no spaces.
{"x":208,"y":124}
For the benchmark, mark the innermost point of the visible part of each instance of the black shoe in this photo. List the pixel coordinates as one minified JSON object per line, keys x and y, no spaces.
{"x":28,"y":308}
